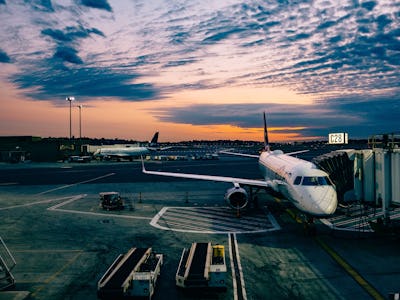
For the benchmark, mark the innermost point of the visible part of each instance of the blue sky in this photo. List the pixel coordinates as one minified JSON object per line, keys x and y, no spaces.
{"x":194,"y":69}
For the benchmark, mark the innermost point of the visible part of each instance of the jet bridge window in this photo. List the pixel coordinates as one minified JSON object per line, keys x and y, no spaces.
{"x":320,"y":180}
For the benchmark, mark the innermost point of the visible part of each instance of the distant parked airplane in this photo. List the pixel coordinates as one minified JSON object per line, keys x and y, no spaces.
{"x":307,"y":187}
{"x":128,"y":152}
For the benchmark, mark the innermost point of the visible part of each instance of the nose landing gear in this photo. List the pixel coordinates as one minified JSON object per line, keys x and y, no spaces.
{"x":309,"y":226}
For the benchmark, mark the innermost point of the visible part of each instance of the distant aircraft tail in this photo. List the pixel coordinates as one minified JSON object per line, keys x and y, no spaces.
{"x":266,"y":142}
{"x":154,"y":140}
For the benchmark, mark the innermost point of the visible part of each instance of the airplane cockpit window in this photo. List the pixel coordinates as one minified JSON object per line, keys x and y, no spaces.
{"x":297,"y":180}
{"x":320,"y":180}
{"x":324,"y":181}
{"x":310,"y":181}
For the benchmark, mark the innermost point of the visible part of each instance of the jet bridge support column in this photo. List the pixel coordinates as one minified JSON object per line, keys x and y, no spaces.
{"x":383,"y":173}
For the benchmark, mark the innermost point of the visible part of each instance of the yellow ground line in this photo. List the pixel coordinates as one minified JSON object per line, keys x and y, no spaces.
{"x":52,"y":277}
{"x":351,"y":271}
{"x":346,"y":266}
{"x":289,"y":211}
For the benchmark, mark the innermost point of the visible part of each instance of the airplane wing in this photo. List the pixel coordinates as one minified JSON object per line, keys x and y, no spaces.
{"x":234,"y":180}
{"x":297,"y":152}
{"x":159,"y":148}
{"x":257,"y":156}
{"x":239,"y":154}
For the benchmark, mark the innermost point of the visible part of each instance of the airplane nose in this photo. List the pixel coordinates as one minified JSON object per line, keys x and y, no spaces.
{"x":329,"y":202}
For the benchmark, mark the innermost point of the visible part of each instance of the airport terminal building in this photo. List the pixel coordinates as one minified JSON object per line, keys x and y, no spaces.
{"x":14,"y":149}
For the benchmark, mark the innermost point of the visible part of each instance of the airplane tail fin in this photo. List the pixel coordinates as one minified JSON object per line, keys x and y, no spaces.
{"x":266,"y":142}
{"x":154,"y":140}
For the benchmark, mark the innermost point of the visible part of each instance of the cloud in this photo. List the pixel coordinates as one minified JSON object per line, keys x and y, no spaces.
{"x":355,"y":114}
{"x":4,"y":58}
{"x":222,"y":34}
{"x":245,"y":115}
{"x":86,"y":83}
{"x":71,"y":33}
{"x":56,"y":34}
{"x":41,"y":5}
{"x":66,"y":38}
{"x":341,"y":53}
{"x":179,"y":62}
{"x":99,"y":4}
{"x":380,"y":110}
{"x":68,"y":54}
{"x":369,"y":5}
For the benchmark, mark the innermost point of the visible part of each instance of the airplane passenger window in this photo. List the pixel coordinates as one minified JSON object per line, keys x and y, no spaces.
{"x":297,"y":180}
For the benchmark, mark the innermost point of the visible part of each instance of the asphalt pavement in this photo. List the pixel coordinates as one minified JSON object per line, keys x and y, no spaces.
{"x":63,"y":241}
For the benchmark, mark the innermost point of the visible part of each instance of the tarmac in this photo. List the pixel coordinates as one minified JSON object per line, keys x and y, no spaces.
{"x":63,"y":241}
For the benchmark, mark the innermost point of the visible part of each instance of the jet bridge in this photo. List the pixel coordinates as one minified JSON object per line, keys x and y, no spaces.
{"x":340,"y":169}
{"x":369,"y":176}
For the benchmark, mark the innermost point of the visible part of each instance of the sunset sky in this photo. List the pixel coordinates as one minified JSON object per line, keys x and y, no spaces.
{"x":196,"y":69}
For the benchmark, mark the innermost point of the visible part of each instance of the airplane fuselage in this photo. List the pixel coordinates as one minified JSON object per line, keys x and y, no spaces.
{"x":300,"y":181}
{"x":122,"y":152}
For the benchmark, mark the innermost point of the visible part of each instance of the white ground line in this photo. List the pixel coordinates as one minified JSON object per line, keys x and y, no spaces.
{"x":234,"y":286}
{"x":156,"y":218}
{"x":36,"y":203}
{"x":240,"y":268}
{"x":74,"y":198}
{"x":73,"y":184}
{"x":70,"y":199}
{"x":221,"y":221}
{"x":100,"y":214}
{"x":248,"y":221}
{"x":200,"y":224}
{"x":332,"y":226}
{"x":235,"y":293}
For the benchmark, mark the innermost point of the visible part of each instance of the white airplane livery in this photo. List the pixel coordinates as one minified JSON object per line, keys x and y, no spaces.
{"x":128,"y":152}
{"x":301,"y":182}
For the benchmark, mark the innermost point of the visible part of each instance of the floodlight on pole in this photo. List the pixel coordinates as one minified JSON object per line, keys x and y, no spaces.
{"x":80,"y":120}
{"x":70,"y":99}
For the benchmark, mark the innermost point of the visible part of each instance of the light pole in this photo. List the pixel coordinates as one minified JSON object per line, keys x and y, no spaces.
{"x":70,"y":99}
{"x":80,"y":121}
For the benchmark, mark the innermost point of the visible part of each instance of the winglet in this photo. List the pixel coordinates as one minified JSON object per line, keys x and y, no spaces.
{"x":266,"y":142}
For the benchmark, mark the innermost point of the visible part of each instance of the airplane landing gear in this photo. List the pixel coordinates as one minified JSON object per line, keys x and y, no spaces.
{"x":309,"y":226}
{"x":253,"y":197}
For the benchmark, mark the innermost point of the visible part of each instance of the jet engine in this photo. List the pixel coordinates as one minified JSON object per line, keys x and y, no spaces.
{"x":236,"y":197}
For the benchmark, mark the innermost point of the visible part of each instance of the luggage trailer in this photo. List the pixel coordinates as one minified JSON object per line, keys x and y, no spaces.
{"x":202,"y":266}
{"x":133,"y":274}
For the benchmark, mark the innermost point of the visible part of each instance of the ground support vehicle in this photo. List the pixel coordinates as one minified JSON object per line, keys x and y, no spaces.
{"x":131,"y":275}
{"x":202,"y":266}
{"x":111,"y":201}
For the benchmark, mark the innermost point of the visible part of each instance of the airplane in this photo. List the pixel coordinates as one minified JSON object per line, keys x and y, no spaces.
{"x":128,"y":152}
{"x":301,"y":182}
